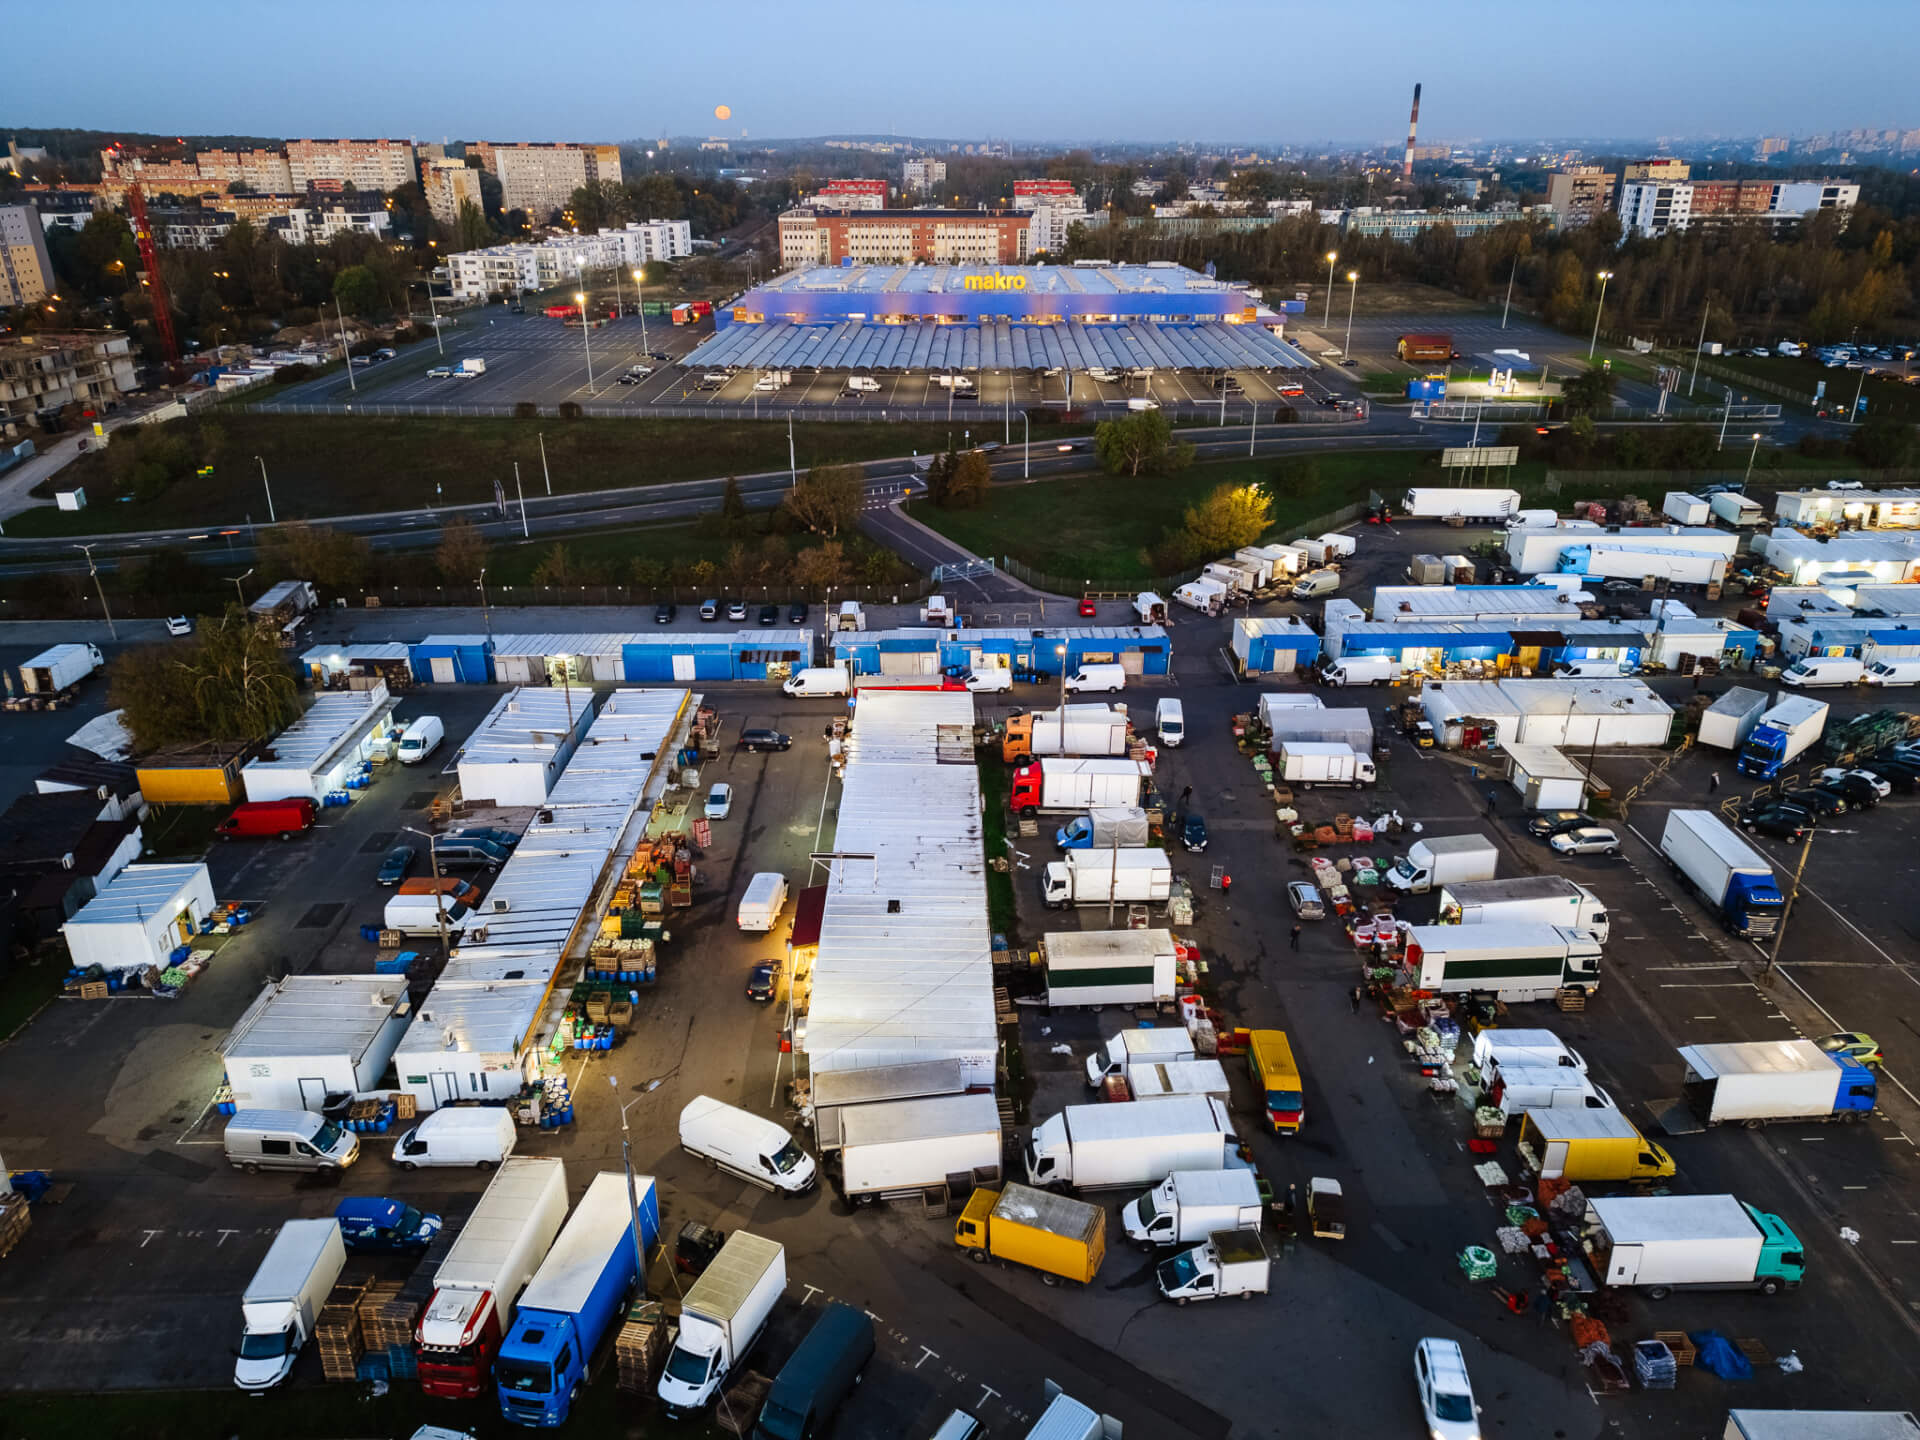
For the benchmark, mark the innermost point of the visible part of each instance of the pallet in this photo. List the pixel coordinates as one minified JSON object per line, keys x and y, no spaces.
{"x":1683,"y":1349}
{"x":1570,"y":1002}
{"x":15,"y":1218}
{"x":740,"y":1405}
{"x":1003,"y":1011}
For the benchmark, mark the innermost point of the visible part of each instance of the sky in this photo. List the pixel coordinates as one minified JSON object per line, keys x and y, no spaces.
{"x":1117,"y":70}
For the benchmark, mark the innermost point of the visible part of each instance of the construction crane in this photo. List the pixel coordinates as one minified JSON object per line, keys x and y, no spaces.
{"x":156,"y":284}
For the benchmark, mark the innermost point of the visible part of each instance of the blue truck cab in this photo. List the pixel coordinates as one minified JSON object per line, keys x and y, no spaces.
{"x":1752,"y":904}
{"x":1764,"y":754}
{"x":374,"y":1225}
{"x":574,"y":1298}
{"x":818,"y":1376}
{"x":1858,"y":1090}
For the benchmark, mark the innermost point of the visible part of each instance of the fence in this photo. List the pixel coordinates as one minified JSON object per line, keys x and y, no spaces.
{"x":1740,"y":379}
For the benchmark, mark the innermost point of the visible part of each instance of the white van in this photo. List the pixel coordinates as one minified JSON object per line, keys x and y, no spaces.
{"x":1816,"y":671}
{"x":989,"y":680}
{"x":1534,"y":519}
{"x":825,"y":681}
{"x":288,"y":1140}
{"x":1096,"y":677}
{"x":479,"y":1135}
{"x":1589,"y":670}
{"x":1315,"y":583}
{"x":1170,"y":721}
{"x":745,"y":1145}
{"x":1893,"y":672}
{"x":421,"y":914}
{"x":852,"y":617}
{"x":1361,"y":670}
{"x":1141,"y":402}
{"x":421,"y":739}
{"x":766,"y":897}
{"x":863,"y":385}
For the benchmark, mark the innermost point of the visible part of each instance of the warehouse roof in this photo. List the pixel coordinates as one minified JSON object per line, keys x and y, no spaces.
{"x":473,"y":1019}
{"x":1161,"y":279}
{"x":528,"y":726}
{"x":134,"y":895}
{"x":316,"y":1015}
{"x":1417,"y":603}
{"x":334,"y":720}
{"x":1583,"y":697}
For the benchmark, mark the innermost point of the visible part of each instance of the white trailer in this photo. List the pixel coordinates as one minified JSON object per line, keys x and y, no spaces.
{"x":1351,"y":726}
{"x":1663,"y":1243}
{"x":1428,"y":502}
{"x":1100,"y":877}
{"x":1096,"y":968}
{"x":59,"y":668}
{"x":1308,"y":763}
{"x":1736,"y":509}
{"x":1730,"y":720}
{"x":927,"y":1149}
{"x":1087,"y":729}
{"x":1190,"y":1205}
{"x":1236,"y":578}
{"x":1137,"y":1047}
{"x":1684,"y":509}
{"x":1525,"y":899}
{"x":1094,"y":1147}
{"x":1675,"y":565}
{"x":1204,"y":595}
{"x":1511,"y":962}
{"x":1161,"y":1079}
{"x":1255,"y":559}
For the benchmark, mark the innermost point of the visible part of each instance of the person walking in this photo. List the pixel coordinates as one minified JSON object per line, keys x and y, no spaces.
{"x":1226,"y":884}
{"x":1186,"y":794}
{"x":1491,"y":798}
{"x":1353,"y":995}
{"x":1294,"y":938}
{"x":1713,"y":782}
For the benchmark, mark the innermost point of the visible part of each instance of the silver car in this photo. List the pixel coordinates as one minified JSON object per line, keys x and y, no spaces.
{"x":1305,"y":900}
{"x":1587,"y":840}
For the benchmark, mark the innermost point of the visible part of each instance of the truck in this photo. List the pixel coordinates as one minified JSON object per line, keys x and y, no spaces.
{"x":1065,"y":1418}
{"x":1106,"y":827}
{"x":1190,"y":1205}
{"x":1107,"y":877}
{"x":1758,"y":1082}
{"x":1307,"y":719}
{"x":1149,"y":608}
{"x":1728,"y":722}
{"x":1584,"y":1143}
{"x":1685,"y":509}
{"x":1236,"y":577}
{"x":1099,"y":1147}
{"x":1784,"y":733}
{"x":721,"y":1319}
{"x":577,"y":1294}
{"x":913,"y":1149}
{"x":936,"y":611}
{"x":1255,"y":559}
{"x":281,"y":1302}
{"x":469,"y":367}
{"x":1276,"y":1079}
{"x":476,"y":1286}
{"x":1735,"y":509}
{"x":1443,"y":860}
{"x":1206,"y":596}
{"x":1729,"y":874}
{"x":1227,"y":1262}
{"x":59,"y":668}
{"x":1095,"y":968}
{"x":1514,"y":1088}
{"x":1086,"y":729}
{"x":1065,"y":784}
{"x":1062,"y":1238}
{"x":1160,"y":1079}
{"x":1821,"y":1425}
{"x":1532,"y":899}
{"x":1308,"y":763}
{"x":1358,"y":670}
{"x":285,"y":600}
{"x":1429,"y":348}
{"x":1481,"y":505}
{"x":1501,"y":1046}
{"x":1510,"y":962}
{"x":1663,"y":1243}
{"x":1138,"y":1046}
{"x":771,"y":380}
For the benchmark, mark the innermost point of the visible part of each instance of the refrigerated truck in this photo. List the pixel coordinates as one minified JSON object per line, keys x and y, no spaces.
{"x":1061,"y":785}
{"x":1784,"y":733}
{"x":1663,"y":1243}
{"x":1525,"y":899}
{"x":1431,"y":502}
{"x":1728,"y":722}
{"x":721,"y":1319}
{"x":1308,"y":763}
{"x":477,"y":1285}
{"x":1101,"y":877}
{"x":56,"y":669}
{"x":1760,"y":1082}
{"x":1510,"y":962}
{"x":1094,"y":1147}
{"x":283,"y":1299}
{"x":1062,"y":1238}
{"x":1088,"y":730}
{"x":574,"y":1298}
{"x":1584,"y":1144}
{"x":1736,"y":880}
{"x":1444,"y":860}
{"x":1190,"y":1205}
{"x":1095,"y":968}
{"x":923,"y":1148}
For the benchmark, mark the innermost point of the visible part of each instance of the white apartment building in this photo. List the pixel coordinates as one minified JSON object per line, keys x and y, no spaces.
{"x":497,"y":270}
{"x":924,"y":175}
{"x":1051,"y":222}
{"x":1655,"y":207}
{"x":1651,"y":207}
{"x":540,"y":179}
{"x":363,"y":164}
{"x":26,"y":269}
{"x":449,"y":184}
{"x":475,"y":274}
{"x":313,"y":225}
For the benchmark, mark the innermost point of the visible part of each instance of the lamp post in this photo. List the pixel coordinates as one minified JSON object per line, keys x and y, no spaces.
{"x":633,"y":1200}
{"x":338,"y":315}
{"x":1509,"y":304}
{"x":1605,"y":275}
{"x":1026,"y":446}
{"x":268,"y":484}
{"x":1326,"y":321}
{"x":1698,"y":346}
{"x":580,"y":299}
{"x":640,"y":305}
{"x":1751,"y":454}
{"x":1353,"y":289}
{"x":439,"y":895}
{"x":1060,"y":653}
{"x":1725,"y":416}
{"x":238,"y":591}
{"x":485,"y":613}
{"x":94,"y":570}
{"x":616,"y":291}
{"x":434,"y":309}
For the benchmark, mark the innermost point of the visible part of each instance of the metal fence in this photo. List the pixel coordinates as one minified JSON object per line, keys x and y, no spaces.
{"x":1739,"y":379}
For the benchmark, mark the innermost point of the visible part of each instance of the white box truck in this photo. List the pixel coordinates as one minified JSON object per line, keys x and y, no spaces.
{"x":1428,"y":502}
{"x":1510,"y":962}
{"x":928,"y":1147}
{"x":1821,"y":1425}
{"x":1728,"y":722}
{"x":1663,"y":1243}
{"x":1684,"y":509}
{"x":281,"y":1302}
{"x":1161,"y":1079}
{"x":54,"y":670}
{"x":1525,"y":899}
{"x":722,"y":1318}
{"x":1443,"y":860}
{"x":1094,"y":1147}
{"x":1096,"y":968}
{"x":1101,"y":877}
{"x":1190,"y":1205}
{"x":1229,"y":1262}
{"x":1736,"y":510}
{"x":745,"y":1145}
{"x":1131,"y":1047}
{"x":1757,"y":1082}
{"x":1308,"y":763}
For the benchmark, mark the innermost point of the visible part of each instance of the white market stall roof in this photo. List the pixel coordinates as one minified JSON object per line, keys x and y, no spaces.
{"x":333,"y":723}
{"x":139,"y":892}
{"x":338,"y":657}
{"x":316,"y":1015}
{"x":1583,"y":697}
{"x":1419,"y":603}
{"x":527,"y":725}
{"x":473,"y":1019}
{"x":105,"y":735}
{"x":1544,"y":762}
{"x":570,"y":643}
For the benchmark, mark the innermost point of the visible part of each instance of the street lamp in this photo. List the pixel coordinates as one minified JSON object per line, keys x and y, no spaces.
{"x":94,"y":570}
{"x":1605,"y":275}
{"x":485,"y":613}
{"x":1326,"y":321}
{"x":633,"y":1201}
{"x":1060,"y":653}
{"x":580,"y":299}
{"x":1751,"y":454}
{"x":1353,"y":288}
{"x":268,"y":484}
{"x":640,"y":304}
{"x":238,"y":591}
{"x":439,"y":895}
{"x":434,"y":309}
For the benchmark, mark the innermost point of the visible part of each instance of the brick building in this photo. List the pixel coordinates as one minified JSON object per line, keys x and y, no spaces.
{"x":810,"y":236}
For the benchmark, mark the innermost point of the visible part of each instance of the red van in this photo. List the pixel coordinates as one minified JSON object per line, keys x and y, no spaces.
{"x":260,"y":818}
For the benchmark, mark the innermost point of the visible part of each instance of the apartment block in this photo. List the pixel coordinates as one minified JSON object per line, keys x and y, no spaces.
{"x":449,"y":184}
{"x":26,"y":270}
{"x":923,"y":176}
{"x":541,"y":179}
{"x":811,"y":236}
{"x":1579,"y":193}
{"x":1055,"y":207}
{"x":1664,"y":171}
{"x":509,"y":269}
{"x":317,"y":224}
{"x":852,"y":195}
{"x":42,"y":374}
{"x":189,"y":227}
{"x":265,"y":171}
{"x":1650,"y":208}
{"x":361,"y":164}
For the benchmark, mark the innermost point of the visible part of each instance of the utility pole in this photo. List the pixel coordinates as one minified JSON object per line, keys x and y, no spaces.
{"x":485,"y":613}
{"x":1793,"y":893}
{"x":1253,"y":429}
{"x":268,"y":484}
{"x":1698,"y":346}
{"x":1504,"y":309}
{"x":793,"y":468}
{"x":524,"y":532}
{"x":352,"y":384}
{"x":633,"y":1201}
{"x":99,"y":589}
{"x":543,"y":462}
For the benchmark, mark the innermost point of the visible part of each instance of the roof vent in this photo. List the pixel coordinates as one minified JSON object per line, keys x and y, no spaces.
{"x":893,"y":907}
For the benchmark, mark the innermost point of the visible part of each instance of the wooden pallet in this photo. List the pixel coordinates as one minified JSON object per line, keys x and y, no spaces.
{"x":740,"y":1406}
{"x":1756,"y":1352}
{"x":1006,"y":1112}
{"x":1570,"y":1001}
{"x":1003,"y":1011}
{"x":15,"y":1220}
{"x":1683,"y":1349}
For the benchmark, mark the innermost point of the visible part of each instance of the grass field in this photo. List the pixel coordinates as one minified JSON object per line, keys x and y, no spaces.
{"x":1884,"y":397}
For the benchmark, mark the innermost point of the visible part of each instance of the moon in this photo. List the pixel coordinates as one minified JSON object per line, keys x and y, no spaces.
{"x":723,"y":112}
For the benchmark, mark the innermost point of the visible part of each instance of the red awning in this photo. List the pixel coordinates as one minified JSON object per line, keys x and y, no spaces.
{"x":807,"y":916}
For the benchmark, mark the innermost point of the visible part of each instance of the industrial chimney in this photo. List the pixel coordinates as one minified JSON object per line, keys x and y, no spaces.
{"x":1413,"y":125}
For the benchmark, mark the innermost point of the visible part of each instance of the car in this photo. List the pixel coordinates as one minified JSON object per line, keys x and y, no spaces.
{"x":1330,"y":402}
{"x":1349,"y":364}
{"x":797,"y":613}
{"x":664,"y":612}
{"x":639,"y":372}
{"x":179,"y":625}
{"x":488,"y":834}
{"x":736,"y":610}
{"x":1788,"y":822}
{"x":1621,"y":587}
{"x":628,"y":380}
{"x":1818,"y":801}
{"x":394,"y":868}
{"x":1446,"y":1394}
{"x":1845,"y":485}
{"x":361,"y":362}
{"x":440,"y":372}
{"x":386,"y":353}
{"x":1860,"y":794}
{"x":719,"y":802}
{"x":1290,"y":388}
{"x":1549,"y":823}
{"x":709,"y":609}
{"x":1851,"y":1045}
{"x":1088,"y":610}
{"x":451,"y":852}
{"x":1305,"y":900}
{"x":760,"y":983}
{"x":769,"y":615}
{"x":1901,"y":779}
{"x":757,"y":740}
{"x":1586,"y":840}
{"x":1835,"y":773}
{"x":1193,"y":832}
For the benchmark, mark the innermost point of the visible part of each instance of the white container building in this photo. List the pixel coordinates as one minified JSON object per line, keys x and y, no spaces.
{"x":573,"y":659}
{"x":140,"y":916}
{"x":515,"y":755}
{"x":1578,"y":714}
{"x":316,"y":754}
{"x":1546,"y":778}
{"x":309,"y":1036}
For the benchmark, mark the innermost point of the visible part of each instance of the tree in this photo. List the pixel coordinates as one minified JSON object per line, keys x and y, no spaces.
{"x":228,"y":682}
{"x":555,"y":568}
{"x":1588,"y":392}
{"x":470,"y":228}
{"x":971,"y":479}
{"x":1140,"y":443}
{"x":1884,"y":443}
{"x":821,"y":565}
{"x":827,"y":499}
{"x":357,"y":289}
{"x":462,"y":553}
{"x":331,"y":558}
{"x":733,"y":504}
{"x":1229,"y":517}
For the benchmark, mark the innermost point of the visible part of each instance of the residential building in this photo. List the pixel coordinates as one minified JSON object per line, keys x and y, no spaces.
{"x":923,"y":177}
{"x":509,"y":269}
{"x":1665,"y":171}
{"x":361,"y":164}
{"x":26,"y":270}
{"x":316,"y":224}
{"x":449,"y":184}
{"x":1579,"y":193}
{"x":541,"y":179}
{"x":42,"y":374}
{"x":19,"y":156}
{"x":1055,"y":206}
{"x":66,"y":207}
{"x":811,"y":236}
{"x":189,"y":227}
{"x":497,"y":270}
{"x":1650,"y":208}
{"x":1769,"y":146}
{"x":1461,"y":187}
{"x":852,"y":195}
{"x":1405,"y":224}
{"x":265,"y":171}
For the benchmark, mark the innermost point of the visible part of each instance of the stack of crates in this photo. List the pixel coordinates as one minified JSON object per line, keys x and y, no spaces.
{"x":15,"y":1218}
{"x":639,"y":1345}
{"x":338,"y":1333}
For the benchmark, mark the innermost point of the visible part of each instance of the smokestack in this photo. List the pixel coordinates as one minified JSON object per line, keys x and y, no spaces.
{"x":1413,"y":126}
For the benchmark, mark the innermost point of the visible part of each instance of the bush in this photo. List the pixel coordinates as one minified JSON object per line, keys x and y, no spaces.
{"x":292,"y":374}
{"x":570,"y":410}
{"x":526,"y":410}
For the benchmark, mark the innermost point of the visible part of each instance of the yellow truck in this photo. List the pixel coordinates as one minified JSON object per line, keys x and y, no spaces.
{"x":1574,"y":1143}
{"x":1277,"y":1075}
{"x":1061,"y":1238}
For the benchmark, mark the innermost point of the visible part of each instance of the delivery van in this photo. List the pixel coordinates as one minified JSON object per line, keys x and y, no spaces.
{"x":421,"y":739}
{"x":743,"y":1144}
{"x":258,"y":819}
{"x":863,"y":385}
{"x":259,"y":1140}
{"x":830,"y":680}
{"x":818,"y":1376}
{"x":422,"y":914}
{"x":1315,"y":583}
{"x":477,"y":1135}
{"x":1893,"y":672}
{"x":1815,"y":671}
{"x":1170,"y":722}
{"x":1096,"y":677}
{"x":766,"y":897}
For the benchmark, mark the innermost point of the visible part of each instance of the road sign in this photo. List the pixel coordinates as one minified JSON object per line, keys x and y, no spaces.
{"x":1472,"y":457}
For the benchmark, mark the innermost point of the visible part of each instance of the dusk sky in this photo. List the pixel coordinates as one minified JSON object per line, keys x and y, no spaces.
{"x":1122,"y":70}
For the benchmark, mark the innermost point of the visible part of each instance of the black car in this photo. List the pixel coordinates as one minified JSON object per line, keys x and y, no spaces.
{"x":664,"y":612}
{"x":1788,"y":822}
{"x":1193,"y":832}
{"x":398,"y":862}
{"x":765,"y":740}
{"x":769,"y":615}
{"x":1856,"y":790}
{"x":1817,"y":800}
{"x":1549,"y":823}
{"x":797,"y":613}
{"x":1903,"y":778}
{"x":760,"y":983}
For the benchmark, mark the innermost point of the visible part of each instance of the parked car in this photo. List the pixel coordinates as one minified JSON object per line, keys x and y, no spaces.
{"x":1901,"y":779}
{"x":1853,"y":1045}
{"x":1193,"y":832}
{"x":760,"y":983}
{"x":451,"y":852}
{"x":395,"y":867}
{"x":719,"y":801}
{"x":1820,"y":802}
{"x":1586,"y":840}
{"x":1549,"y":823}
{"x":372,"y":1225}
{"x":769,"y":615}
{"x":797,"y":613}
{"x":1446,"y":1393}
{"x":492,"y":834}
{"x":736,"y":610}
{"x":1088,"y":610}
{"x":765,"y":740}
{"x":709,"y":609}
{"x":1836,"y":775}
{"x":1305,"y":900}
{"x":664,"y":612}
{"x":1788,"y":822}
{"x":179,"y":625}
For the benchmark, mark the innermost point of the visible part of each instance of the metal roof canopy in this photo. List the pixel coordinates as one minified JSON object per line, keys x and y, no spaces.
{"x":316,"y":1015}
{"x":334,"y":721}
{"x":527,"y":724}
{"x":138,"y":893}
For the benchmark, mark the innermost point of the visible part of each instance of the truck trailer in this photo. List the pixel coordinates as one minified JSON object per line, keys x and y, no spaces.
{"x":1094,"y":1147}
{"x":1162,"y":1079}
{"x":59,"y":668}
{"x":1476,"y":505}
{"x":1190,"y":1205}
{"x":1525,"y":900}
{"x":1101,"y":877}
{"x":1444,"y":860}
{"x":1511,"y":962}
{"x":1105,"y":827}
{"x":1663,"y":1243}
{"x":1069,"y":730}
{"x":1728,"y":722}
{"x":283,"y":1299}
{"x":1308,"y":763}
{"x":1784,"y":733}
{"x":1760,"y":1082}
{"x":1060,"y":786}
{"x":1821,"y":1425}
{"x":721,"y":1319}
{"x":1729,"y":874}
{"x":1430,"y":348}
{"x":1108,"y":967}
{"x":923,"y":1149}
{"x":1579,"y":1143}
{"x":1062,"y":1238}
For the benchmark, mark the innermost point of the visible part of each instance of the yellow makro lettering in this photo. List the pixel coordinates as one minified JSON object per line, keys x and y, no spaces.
{"x":995,"y":282}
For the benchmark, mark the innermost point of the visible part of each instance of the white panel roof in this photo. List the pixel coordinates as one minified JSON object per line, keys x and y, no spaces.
{"x":527,"y":725}
{"x":461,"y":1018}
{"x":333,"y":719}
{"x":316,"y":1015}
{"x":138,"y":892}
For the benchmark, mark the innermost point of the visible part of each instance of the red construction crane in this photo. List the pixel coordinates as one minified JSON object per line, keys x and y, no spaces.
{"x":156,"y":284}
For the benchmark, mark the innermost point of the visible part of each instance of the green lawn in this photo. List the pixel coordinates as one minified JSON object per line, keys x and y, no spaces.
{"x":1884,"y":397}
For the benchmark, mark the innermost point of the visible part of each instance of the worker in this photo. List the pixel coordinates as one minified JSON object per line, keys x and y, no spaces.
{"x":1226,"y":883}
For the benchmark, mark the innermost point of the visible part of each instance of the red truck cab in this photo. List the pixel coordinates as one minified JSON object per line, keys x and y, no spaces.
{"x":258,"y":819}
{"x":458,"y":1335}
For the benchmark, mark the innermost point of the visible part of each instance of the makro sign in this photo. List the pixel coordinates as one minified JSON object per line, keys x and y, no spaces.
{"x":995,"y":282}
